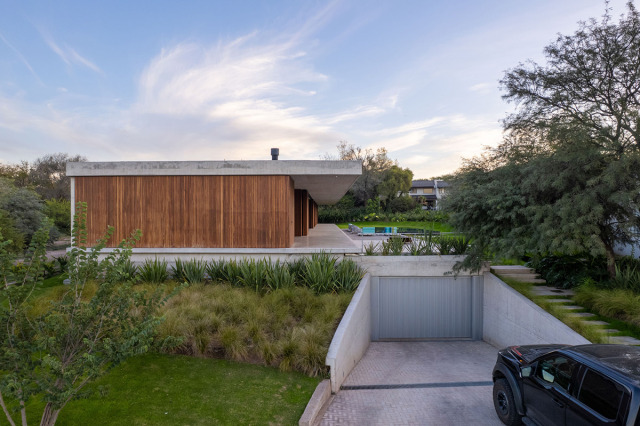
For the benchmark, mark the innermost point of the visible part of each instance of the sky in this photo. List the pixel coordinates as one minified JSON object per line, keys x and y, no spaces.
{"x":230,"y":79}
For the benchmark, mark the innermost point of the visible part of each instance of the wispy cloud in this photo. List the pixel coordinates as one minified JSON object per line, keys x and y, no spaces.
{"x":22,"y":58}
{"x":68,"y":54}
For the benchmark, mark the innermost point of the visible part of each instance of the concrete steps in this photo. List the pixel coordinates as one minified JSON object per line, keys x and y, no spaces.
{"x":518,"y":273}
{"x":566,"y":297}
{"x":543,"y":290}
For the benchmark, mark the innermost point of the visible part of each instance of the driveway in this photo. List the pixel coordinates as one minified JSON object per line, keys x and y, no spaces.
{"x":418,"y":383}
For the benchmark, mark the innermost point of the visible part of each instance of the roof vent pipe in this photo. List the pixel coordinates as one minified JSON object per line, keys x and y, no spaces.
{"x":274,"y":153}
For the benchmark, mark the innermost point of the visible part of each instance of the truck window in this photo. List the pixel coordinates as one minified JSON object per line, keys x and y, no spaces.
{"x":556,"y":370}
{"x":600,"y":394}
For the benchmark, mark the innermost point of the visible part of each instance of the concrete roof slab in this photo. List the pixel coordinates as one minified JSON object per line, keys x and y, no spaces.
{"x":326,"y":181}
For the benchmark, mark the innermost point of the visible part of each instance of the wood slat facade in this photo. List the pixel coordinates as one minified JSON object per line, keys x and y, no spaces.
{"x":192,"y":211}
{"x":301,"y":213}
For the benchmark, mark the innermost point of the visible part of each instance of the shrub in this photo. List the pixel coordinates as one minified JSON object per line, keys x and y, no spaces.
{"x":279,"y":276}
{"x":26,"y":210}
{"x":231,"y":273}
{"x":63,"y":263}
{"x":626,"y":278}
{"x":393,"y":246}
{"x":253,"y":274}
{"x":402,"y":204}
{"x":444,"y":245}
{"x":567,"y":271}
{"x":347,"y":276}
{"x":192,"y":271}
{"x":153,"y":271}
{"x":460,"y":244}
{"x":60,"y":212}
{"x":331,"y":214}
{"x":215,"y":270}
{"x":319,"y":271}
{"x":126,"y":272}
{"x":11,"y":233}
{"x":297,"y":268}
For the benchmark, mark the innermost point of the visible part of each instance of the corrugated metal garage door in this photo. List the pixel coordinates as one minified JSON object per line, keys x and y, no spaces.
{"x":426,"y":308}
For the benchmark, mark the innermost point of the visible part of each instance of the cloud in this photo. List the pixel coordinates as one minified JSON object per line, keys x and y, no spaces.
{"x":22,"y":58}
{"x":69,"y":55}
{"x":482,"y":88}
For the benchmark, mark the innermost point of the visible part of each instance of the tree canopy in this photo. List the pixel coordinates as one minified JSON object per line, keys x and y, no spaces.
{"x":396,"y":180}
{"x":374,"y":166}
{"x":566,"y":176}
{"x":47,"y":175}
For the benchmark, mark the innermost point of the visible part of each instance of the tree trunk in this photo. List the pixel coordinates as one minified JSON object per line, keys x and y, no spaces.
{"x":6,"y":411}
{"x":49,"y":416}
{"x":611,"y":261}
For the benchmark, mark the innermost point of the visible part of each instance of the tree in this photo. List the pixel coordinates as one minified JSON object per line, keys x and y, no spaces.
{"x":48,"y":175}
{"x":396,"y":180}
{"x":374,"y":167}
{"x":591,"y":80}
{"x":97,"y":323}
{"x":566,"y":176}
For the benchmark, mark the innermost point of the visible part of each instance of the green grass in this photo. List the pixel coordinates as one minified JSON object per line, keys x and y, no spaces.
{"x":178,"y":390}
{"x":435,"y":226}
{"x":42,"y":290}
{"x":589,"y":331}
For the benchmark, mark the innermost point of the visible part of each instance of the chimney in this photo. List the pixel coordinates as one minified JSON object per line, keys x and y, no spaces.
{"x":274,"y":153}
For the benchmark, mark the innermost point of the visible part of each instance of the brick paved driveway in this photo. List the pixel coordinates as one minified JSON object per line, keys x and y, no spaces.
{"x":418,"y":383}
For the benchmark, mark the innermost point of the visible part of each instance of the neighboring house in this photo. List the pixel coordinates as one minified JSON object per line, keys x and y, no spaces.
{"x":208,"y":204}
{"x":428,"y":192}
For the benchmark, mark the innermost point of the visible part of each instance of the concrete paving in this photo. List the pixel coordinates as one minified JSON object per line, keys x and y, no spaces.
{"x":326,"y":236}
{"x":418,"y":383}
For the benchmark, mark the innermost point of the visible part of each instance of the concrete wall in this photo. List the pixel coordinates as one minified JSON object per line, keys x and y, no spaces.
{"x":512,"y":319}
{"x":351,"y":340}
{"x":408,"y":266}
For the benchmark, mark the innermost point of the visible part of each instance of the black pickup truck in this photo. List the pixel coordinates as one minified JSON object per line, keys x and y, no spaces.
{"x":549,"y":385}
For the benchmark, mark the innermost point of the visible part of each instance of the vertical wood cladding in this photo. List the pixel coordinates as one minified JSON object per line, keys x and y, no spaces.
{"x":313,"y":213}
{"x":191,"y":211}
{"x":301,"y":212}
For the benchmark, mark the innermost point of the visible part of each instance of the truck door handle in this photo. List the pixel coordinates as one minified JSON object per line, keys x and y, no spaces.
{"x":558,"y":402}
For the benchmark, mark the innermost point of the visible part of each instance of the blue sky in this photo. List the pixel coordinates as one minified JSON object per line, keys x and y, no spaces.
{"x":216,"y":80}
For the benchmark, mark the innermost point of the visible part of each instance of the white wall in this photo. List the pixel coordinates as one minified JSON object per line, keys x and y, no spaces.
{"x":351,"y":340}
{"x":512,"y":319}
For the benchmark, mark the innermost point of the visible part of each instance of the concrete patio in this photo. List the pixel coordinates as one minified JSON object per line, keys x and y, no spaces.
{"x":326,"y":237}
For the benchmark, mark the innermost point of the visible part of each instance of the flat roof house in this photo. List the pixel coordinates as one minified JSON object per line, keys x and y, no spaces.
{"x":208,"y":204}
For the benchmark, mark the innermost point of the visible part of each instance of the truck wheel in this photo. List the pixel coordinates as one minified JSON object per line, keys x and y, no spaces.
{"x":504,"y":403}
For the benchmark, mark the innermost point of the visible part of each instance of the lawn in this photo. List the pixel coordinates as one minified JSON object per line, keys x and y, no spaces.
{"x":435,"y":226}
{"x":158,"y":389}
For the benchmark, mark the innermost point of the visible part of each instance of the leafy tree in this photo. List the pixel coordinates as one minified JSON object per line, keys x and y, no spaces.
{"x":97,"y":323}
{"x":396,"y":180}
{"x":402,"y":204}
{"x":11,"y":233}
{"x":566,"y":176}
{"x":59,"y":210}
{"x":48,"y":175}
{"x":25,"y":209}
{"x":591,"y":80}
{"x":374,"y":166}
{"x":17,"y":173}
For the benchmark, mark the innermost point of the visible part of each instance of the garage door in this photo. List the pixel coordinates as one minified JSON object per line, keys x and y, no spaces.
{"x":419,"y":308}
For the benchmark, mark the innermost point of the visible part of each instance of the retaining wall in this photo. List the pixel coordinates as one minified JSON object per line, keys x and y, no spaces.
{"x":512,"y":319}
{"x":351,"y":339}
